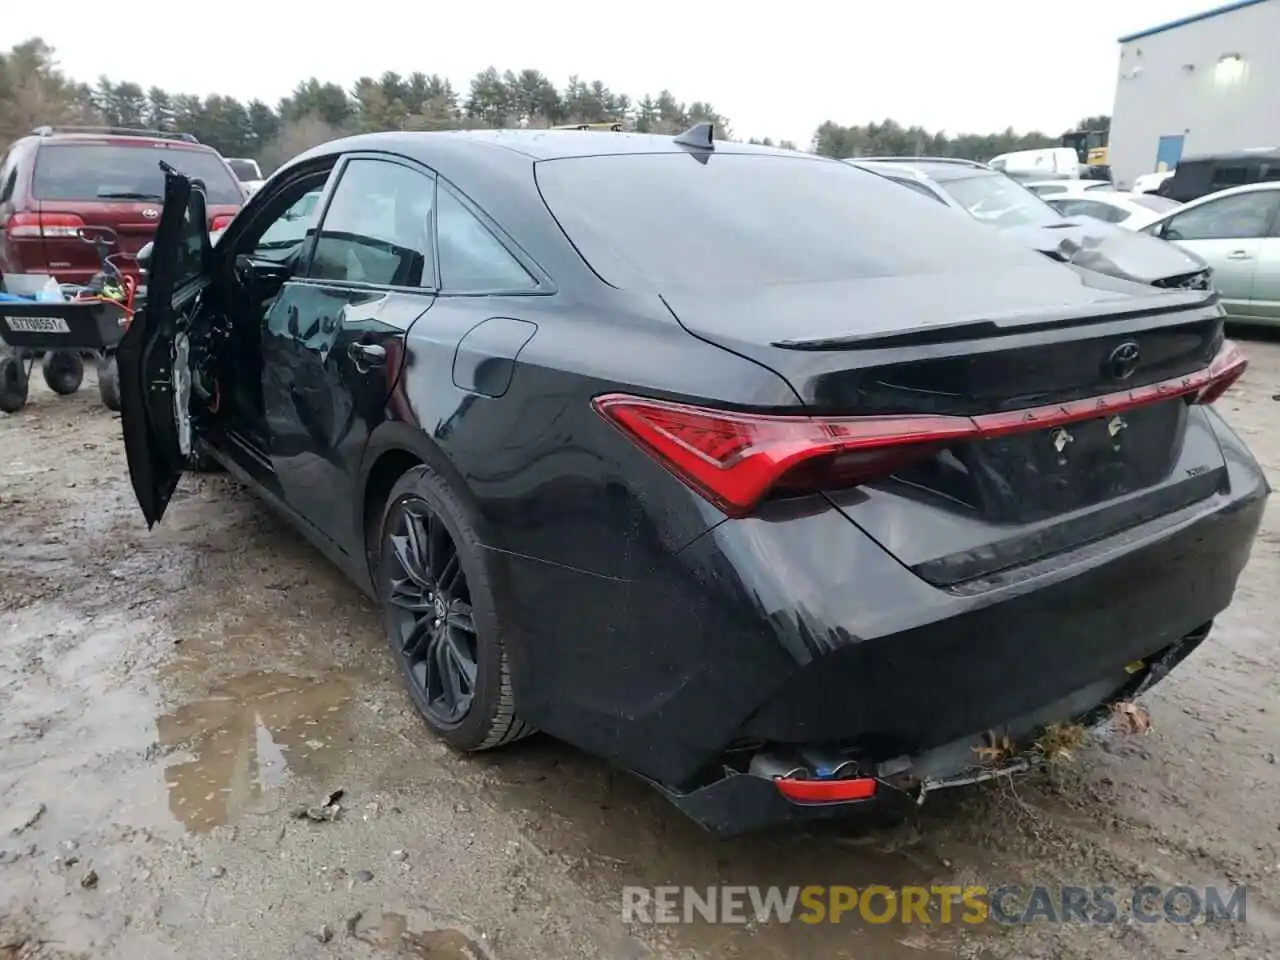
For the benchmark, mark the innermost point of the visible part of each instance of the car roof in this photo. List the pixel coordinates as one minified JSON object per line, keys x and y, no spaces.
{"x":1255,"y":153}
{"x":940,"y":169}
{"x":532,"y":144}
{"x":62,"y":139}
{"x":483,"y":160}
{"x":903,"y":171}
{"x":106,"y":134}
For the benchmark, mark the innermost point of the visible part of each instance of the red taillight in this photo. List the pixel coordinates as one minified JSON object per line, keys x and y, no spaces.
{"x":1227,"y":367}
{"x":221,"y":221}
{"x":826,"y":791}
{"x":735,"y":459}
{"x":48,"y":225}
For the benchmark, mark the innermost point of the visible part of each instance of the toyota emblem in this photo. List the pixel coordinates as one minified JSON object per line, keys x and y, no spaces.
{"x":151,"y":213}
{"x":1123,"y":361}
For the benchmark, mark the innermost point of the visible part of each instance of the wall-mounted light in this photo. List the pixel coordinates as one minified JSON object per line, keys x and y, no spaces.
{"x":1229,"y":70}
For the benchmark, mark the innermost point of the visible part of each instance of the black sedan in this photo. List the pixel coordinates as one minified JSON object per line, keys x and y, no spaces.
{"x":741,"y":468}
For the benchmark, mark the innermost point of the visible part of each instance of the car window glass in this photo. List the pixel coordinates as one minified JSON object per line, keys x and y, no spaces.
{"x":1153,"y":202}
{"x":919,"y":188}
{"x":472,"y":259}
{"x":70,"y":170}
{"x":672,"y":219}
{"x":285,"y":234}
{"x":1100,"y":211}
{"x":1235,"y":175}
{"x":377,"y":228}
{"x":1241,"y":217}
{"x":1000,"y":201}
{"x":1046,"y":189}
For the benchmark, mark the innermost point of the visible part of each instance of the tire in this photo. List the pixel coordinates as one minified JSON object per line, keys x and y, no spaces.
{"x":109,"y":382}
{"x":13,"y":383}
{"x":63,"y":371}
{"x":491,"y":718}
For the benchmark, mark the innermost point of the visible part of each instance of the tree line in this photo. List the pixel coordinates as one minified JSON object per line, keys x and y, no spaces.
{"x":892,"y":139}
{"x":34,"y":91}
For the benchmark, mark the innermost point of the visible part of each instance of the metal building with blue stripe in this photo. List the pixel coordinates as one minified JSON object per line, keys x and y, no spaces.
{"x":1207,"y":83}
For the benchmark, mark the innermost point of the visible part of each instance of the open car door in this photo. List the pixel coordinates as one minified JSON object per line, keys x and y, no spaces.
{"x":155,"y":377}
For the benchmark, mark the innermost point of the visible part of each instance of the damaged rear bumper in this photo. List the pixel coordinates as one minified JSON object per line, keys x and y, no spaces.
{"x":795,"y":633}
{"x":760,"y":792}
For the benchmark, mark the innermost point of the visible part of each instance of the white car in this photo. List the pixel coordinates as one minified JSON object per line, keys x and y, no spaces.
{"x":1065,"y":188}
{"x":1131,"y":210}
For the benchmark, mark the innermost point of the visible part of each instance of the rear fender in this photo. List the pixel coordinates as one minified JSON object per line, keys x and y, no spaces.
{"x":396,"y":437}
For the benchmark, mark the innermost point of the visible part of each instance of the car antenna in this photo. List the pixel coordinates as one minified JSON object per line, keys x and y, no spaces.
{"x":699,"y":137}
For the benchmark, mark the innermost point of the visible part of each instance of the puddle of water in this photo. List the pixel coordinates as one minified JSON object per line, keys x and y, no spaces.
{"x":78,"y":703}
{"x":244,"y":739}
{"x":411,"y":934}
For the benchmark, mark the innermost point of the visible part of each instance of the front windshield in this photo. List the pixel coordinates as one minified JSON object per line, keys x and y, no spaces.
{"x":1000,"y":201}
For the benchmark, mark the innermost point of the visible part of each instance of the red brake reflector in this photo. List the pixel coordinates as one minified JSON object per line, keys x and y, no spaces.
{"x":826,"y":791}
{"x":221,"y":221}
{"x":33,"y":225}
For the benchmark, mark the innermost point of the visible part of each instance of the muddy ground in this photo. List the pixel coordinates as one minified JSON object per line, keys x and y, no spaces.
{"x":168,"y":698}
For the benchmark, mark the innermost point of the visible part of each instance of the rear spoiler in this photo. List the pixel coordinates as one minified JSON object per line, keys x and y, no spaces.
{"x":1009,"y":324}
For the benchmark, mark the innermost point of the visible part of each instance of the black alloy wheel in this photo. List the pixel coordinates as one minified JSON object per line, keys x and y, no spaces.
{"x":435,"y":625}
{"x":441,"y":616}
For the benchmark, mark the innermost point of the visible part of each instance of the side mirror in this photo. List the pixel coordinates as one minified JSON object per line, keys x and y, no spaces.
{"x":143,"y":256}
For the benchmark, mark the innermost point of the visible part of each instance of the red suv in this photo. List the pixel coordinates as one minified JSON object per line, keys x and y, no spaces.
{"x":59,"y":181}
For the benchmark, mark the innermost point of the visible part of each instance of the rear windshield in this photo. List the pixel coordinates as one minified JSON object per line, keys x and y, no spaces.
{"x":105,"y":171}
{"x":755,"y":219}
{"x":1153,"y":202}
{"x":244,"y":169}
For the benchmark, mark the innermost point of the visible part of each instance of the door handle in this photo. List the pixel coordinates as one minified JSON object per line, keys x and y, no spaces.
{"x":366,"y":355}
{"x":1238,"y":255}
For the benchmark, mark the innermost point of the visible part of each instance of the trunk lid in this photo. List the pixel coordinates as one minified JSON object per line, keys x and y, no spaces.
{"x":133,"y":223}
{"x":981,"y":346}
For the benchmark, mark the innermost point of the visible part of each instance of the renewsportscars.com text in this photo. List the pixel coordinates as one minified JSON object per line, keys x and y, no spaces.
{"x":932,"y":905}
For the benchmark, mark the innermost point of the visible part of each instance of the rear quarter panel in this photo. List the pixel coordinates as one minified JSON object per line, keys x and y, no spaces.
{"x":549,"y":478}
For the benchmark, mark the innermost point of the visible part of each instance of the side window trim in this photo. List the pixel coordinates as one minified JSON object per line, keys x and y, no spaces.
{"x":543,"y":284}
{"x":326,"y":201}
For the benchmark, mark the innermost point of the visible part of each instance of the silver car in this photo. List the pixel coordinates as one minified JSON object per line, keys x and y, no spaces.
{"x":1237,"y":232}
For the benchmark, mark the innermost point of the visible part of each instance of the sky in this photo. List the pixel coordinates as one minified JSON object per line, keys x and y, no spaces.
{"x":774,"y":69}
